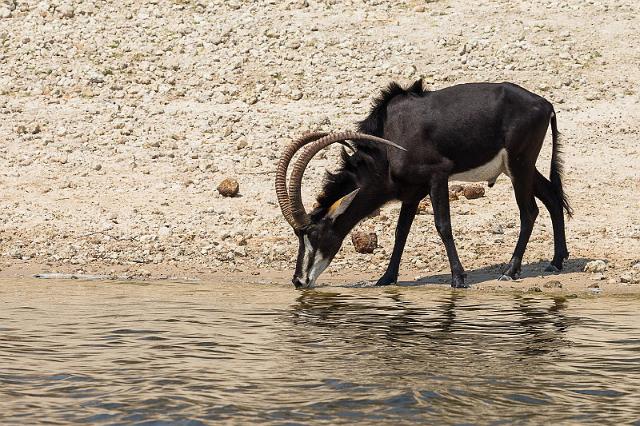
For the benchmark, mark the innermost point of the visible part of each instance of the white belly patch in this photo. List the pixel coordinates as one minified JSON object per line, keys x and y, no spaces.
{"x":487,"y":172}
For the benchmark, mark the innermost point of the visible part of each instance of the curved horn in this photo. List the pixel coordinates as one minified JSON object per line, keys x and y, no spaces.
{"x":281,"y":173}
{"x":300,"y":216}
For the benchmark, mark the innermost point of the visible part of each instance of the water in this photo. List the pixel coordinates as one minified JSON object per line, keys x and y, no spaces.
{"x":185,"y":353}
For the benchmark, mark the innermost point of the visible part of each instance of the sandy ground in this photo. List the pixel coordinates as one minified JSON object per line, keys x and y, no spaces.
{"x":119,"y":119}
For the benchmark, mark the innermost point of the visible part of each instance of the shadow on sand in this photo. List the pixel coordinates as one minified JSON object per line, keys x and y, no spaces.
{"x":491,"y":273}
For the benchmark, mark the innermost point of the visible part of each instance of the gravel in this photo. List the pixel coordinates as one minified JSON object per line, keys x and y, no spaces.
{"x":143,"y":108}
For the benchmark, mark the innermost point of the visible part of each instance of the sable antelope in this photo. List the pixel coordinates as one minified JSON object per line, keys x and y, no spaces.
{"x":469,"y":132}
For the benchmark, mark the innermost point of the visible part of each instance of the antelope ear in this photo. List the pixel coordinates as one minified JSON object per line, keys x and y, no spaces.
{"x":341,"y":205}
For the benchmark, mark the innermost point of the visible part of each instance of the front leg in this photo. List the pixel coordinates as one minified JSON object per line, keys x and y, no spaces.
{"x":442,"y":218}
{"x":407,"y":213}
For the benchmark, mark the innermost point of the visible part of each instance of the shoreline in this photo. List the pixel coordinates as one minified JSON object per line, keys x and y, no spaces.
{"x":483,"y":280}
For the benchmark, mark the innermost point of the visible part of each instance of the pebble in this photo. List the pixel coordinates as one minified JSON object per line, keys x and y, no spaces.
{"x":66,"y":10}
{"x":630,"y":278}
{"x":424,"y":207}
{"x":229,"y":187}
{"x":553,"y":284}
{"x":456,"y":189}
{"x":164,"y":231}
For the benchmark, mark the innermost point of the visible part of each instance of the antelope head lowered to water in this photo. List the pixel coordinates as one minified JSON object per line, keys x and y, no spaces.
{"x":321,"y":232}
{"x":469,"y":132}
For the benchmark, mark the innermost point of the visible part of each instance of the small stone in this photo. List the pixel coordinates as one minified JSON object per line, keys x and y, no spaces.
{"x":456,"y":189}
{"x":364,"y":242}
{"x":553,"y":284}
{"x":626,"y":278}
{"x":96,"y":77}
{"x":534,"y":290}
{"x":242,"y":143}
{"x":164,"y":231}
{"x":229,"y":188}
{"x":424,"y":207}
{"x":496,"y":228}
{"x":473,"y":191}
{"x":66,"y":11}
{"x":595,"y":266}
{"x":5,"y":13}
{"x":97,"y":167}
{"x":453,"y":196}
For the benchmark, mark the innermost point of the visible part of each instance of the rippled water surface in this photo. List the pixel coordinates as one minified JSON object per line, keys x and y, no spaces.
{"x":104,"y":352}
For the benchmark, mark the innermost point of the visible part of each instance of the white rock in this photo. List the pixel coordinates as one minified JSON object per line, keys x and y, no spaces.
{"x":164,"y":231}
{"x":66,"y":10}
{"x":96,"y":77}
{"x":596,"y":266}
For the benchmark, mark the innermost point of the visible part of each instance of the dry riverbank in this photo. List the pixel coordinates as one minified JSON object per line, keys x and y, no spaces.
{"x":119,"y":119}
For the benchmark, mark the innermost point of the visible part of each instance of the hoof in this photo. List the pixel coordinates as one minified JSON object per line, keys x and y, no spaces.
{"x":552,"y":268}
{"x":459,"y":283}
{"x":386,"y":281}
{"x":505,"y":278}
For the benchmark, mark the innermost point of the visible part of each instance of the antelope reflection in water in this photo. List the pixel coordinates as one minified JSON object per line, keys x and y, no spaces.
{"x":447,"y":326}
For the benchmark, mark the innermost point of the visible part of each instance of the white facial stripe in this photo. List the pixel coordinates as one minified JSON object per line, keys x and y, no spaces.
{"x":319,"y":265}
{"x":307,"y":256}
{"x":313,"y":263}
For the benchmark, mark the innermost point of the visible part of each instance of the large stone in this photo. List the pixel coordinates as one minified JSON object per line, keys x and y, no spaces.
{"x":364,"y":242}
{"x":229,"y":187}
{"x":473,"y":191}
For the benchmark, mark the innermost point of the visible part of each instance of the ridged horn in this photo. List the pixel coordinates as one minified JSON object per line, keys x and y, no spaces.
{"x":299,"y":214}
{"x":281,"y":172}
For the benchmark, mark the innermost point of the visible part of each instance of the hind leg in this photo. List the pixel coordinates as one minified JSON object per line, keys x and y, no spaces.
{"x":544,"y":191}
{"x":523,"y":188}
